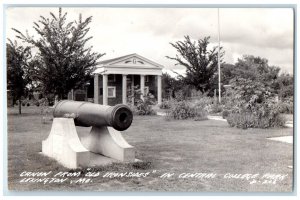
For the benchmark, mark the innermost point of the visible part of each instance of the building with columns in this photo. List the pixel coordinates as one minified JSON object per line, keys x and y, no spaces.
{"x":114,"y":77}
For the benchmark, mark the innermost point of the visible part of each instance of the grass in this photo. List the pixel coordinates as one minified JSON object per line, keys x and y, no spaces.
{"x":208,"y":146}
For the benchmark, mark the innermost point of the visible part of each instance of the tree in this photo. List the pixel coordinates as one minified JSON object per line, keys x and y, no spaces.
{"x":17,"y":70}
{"x":285,"y":84}
{"x":201,"y":63}
{"x":256,"y":68}
{"x":170,"y":85}
{"x":227,"y":73}
{"x":63,"y":62}
{"x":252,"y":95}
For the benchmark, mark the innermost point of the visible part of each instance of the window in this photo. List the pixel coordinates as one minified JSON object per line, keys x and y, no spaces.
{"x":146,"y":90}
{"x":111,"y":91}
{"x":111,"y":78}
{"x":146,"y":79}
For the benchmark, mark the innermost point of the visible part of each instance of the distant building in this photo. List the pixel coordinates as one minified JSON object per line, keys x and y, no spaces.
{"x":113,"y":79}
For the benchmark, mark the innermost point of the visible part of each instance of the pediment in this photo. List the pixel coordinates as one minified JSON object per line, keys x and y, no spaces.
{"x":134,"y":60}
{"x":131,"y":61}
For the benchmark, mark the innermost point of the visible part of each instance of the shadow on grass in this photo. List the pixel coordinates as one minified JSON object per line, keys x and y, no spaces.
{"x":27,"y":111}
{"x":22,"y":115}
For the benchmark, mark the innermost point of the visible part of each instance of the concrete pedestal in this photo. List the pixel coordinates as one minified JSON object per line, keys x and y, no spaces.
{"x":63,"y":144}
{"x":104,"y":145}
{"x":109,"y":142}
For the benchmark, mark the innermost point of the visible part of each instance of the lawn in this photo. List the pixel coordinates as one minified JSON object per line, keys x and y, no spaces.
{"x":177,"y":147}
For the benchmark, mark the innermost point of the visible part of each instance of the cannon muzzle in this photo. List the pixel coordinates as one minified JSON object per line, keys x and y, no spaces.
{"x":90,"y":114}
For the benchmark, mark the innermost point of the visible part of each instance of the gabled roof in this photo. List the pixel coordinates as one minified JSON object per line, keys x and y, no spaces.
{"x":114,"y":59}
{"x":109,"y":62}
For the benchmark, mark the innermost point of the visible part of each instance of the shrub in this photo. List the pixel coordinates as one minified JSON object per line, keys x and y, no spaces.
{"x":186,"y":110}
{"x":179,"y":95}
{"x":23,"y":103}
{"x":43,"y":102}
{"x":200,"y":114}
{"x":209,"y":104}
{"x":205,"y":103}
{"x":37,"y":103}
{"x":286,"y":106}
{"x":249,"y":120}
{"x":216,"y":108}
{"x":182,"y":110}
{"x":261,"y":115}
{"x":254,"y":105}
{"x":241,"y":120}
{"x":183,"y":93}
{"x":225,"y":114}
{"x":142,"y":106}
{"x":166,"y":104}
{"x":28,"y":104}
{"x":133,"y":109}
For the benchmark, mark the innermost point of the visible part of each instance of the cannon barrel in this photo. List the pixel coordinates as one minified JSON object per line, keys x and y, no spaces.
{"x":90,"y":114}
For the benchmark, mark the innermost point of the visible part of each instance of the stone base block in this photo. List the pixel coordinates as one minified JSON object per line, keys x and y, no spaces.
{"x":110,"y":143}
{"x":103,"y":145}
{"x":63,"y":144}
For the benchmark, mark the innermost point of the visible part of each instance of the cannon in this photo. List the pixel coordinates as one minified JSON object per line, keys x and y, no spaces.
{"x":104,"y":143}
{"x":89,"y":114}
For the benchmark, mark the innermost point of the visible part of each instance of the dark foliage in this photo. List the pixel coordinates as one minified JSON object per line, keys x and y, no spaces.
{"x":200,"y":62}
{"x":17,"y":70}
{"x":62,"y":62}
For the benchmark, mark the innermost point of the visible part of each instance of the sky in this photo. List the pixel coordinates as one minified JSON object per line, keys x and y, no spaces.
{"x":264,"y":32}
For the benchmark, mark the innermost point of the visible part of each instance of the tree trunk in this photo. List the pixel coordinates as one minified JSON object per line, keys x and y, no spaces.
{"x":20,"y":106}
{"x":60,"y":96}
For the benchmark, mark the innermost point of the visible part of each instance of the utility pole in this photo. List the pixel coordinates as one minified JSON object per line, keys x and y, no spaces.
{"x":219,"y":66}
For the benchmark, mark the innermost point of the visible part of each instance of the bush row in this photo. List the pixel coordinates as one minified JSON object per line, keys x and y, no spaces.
{"x":142,"y":106}
{"x":208,"y":104}
{"x":240,"y":114}
{"x":249,"y":120}
{"x":26,"y":102}
{"x":286,"y":107}
{"x":186,"y":110}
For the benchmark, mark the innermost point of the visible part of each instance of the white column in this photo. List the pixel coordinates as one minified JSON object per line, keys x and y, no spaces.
{"x":159,"y":89}
{"x":96,"y":88}
{"x":124,"y":88}
{"x":132,"y":89}
{"x":105,"y":89}
{"x":142,"y":86}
